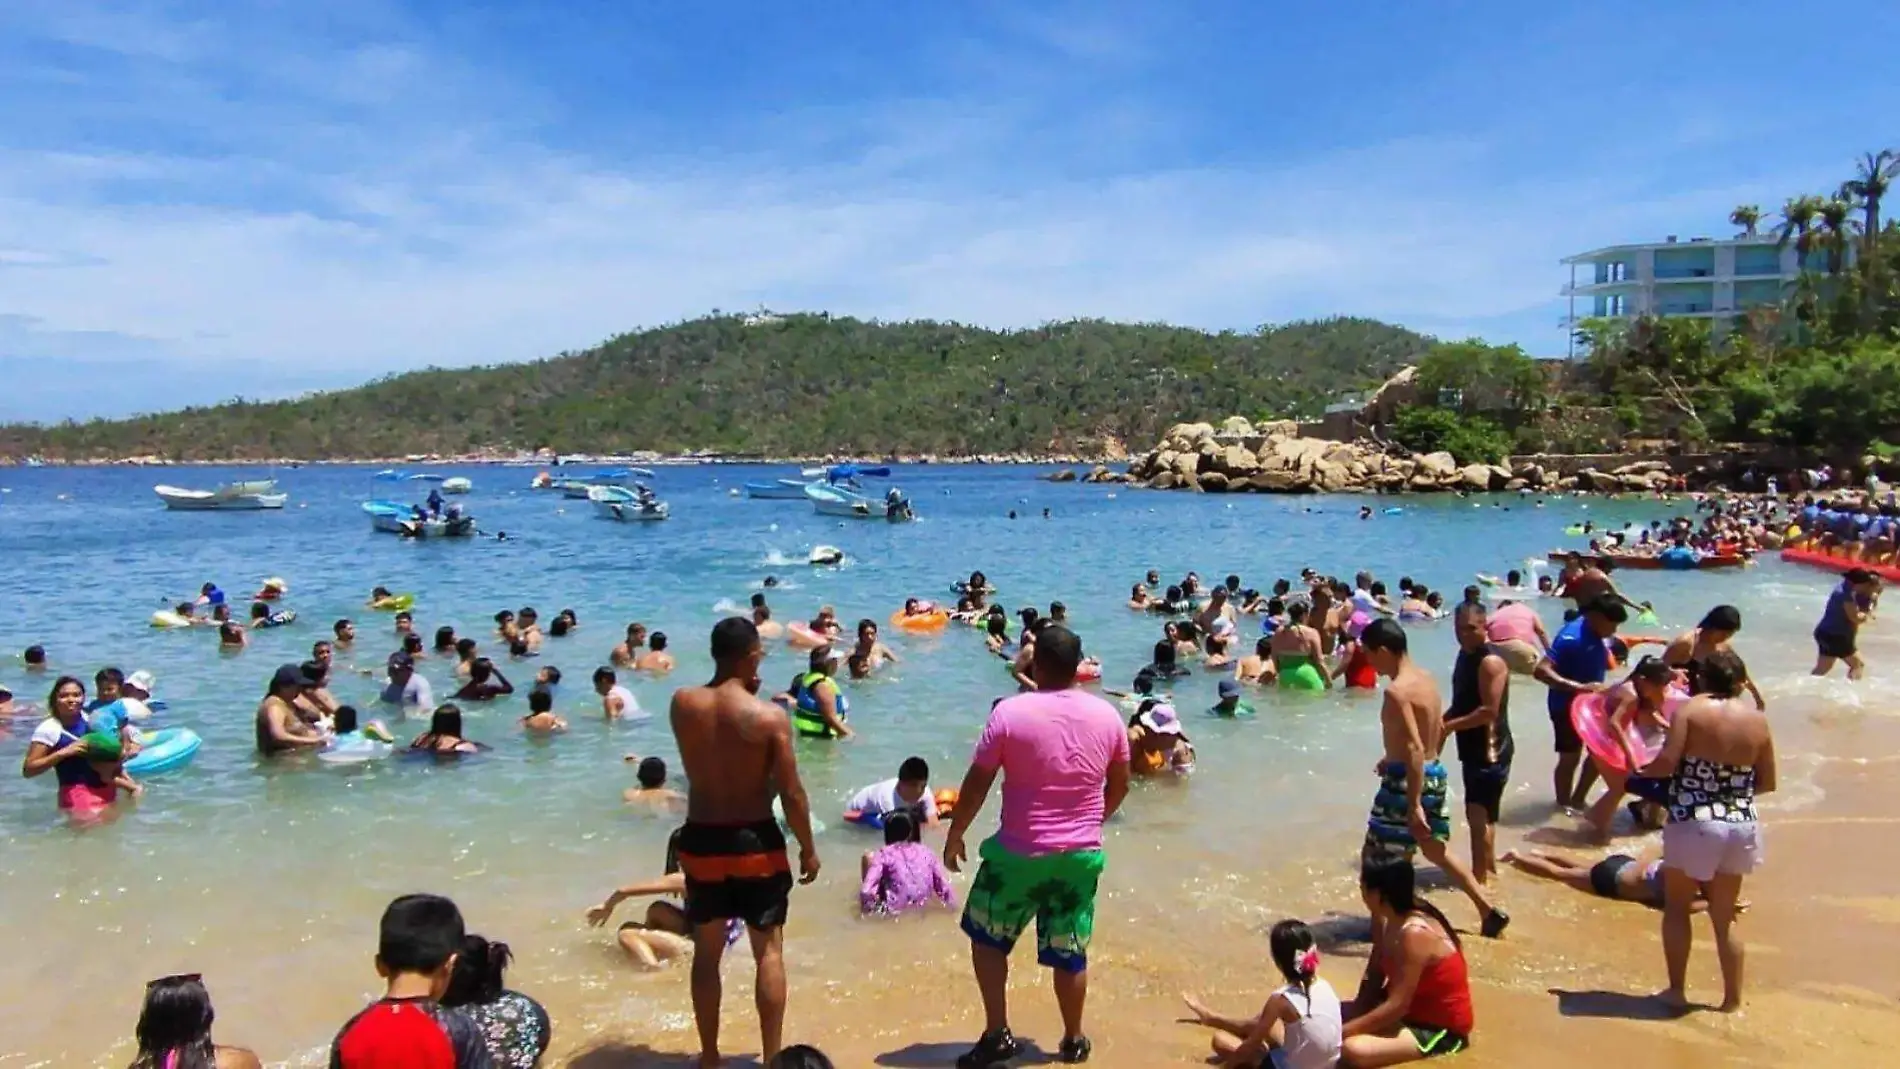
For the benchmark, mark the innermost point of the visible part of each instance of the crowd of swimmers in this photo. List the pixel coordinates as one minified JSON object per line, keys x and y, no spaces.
{"x":1691,"y":749}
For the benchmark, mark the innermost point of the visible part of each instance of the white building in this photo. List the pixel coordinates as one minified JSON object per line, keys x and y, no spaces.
{"x":1703,"y":277}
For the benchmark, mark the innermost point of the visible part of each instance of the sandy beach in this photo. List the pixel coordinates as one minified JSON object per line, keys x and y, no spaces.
{"x":1567,"y":987}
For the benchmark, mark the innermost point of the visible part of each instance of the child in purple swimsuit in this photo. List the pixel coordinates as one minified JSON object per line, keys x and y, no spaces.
{"x":904,"y":874}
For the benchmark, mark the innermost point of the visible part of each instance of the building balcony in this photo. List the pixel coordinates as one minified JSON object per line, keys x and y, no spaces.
{"x":1678,"y":274}
{"x":1585,"y":289}
{"x":1757,"y":270}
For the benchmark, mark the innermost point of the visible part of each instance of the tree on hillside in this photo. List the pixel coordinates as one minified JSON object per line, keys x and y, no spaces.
{"x":1485,"y":378}
{"x":1746,"y":216}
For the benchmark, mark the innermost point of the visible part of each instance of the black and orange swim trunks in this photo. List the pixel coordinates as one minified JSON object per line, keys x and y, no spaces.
{"x":736,"y":870}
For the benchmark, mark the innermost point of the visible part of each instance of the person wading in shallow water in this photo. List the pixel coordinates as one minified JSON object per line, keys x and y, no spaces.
{"x":737,"y":752}
{"x":1064,"y":758}
{"x":1410,"y":810}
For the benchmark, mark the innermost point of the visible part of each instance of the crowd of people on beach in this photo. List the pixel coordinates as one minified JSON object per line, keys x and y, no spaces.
{"x":1680,"y":734}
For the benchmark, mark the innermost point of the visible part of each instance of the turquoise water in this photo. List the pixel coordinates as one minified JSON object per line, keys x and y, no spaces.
{"x":250,"y":872}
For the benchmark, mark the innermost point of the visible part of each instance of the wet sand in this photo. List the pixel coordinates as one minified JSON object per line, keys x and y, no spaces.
{"x":1569,"y":985}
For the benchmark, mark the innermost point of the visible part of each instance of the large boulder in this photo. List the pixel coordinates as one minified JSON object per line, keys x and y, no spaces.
{"x":1280,"y":482}
{"x":1438,"y":465}
{"x":1066,"y":475}
{"x":1236,"y":427}
{"x":1476,"y":477}
{"x":1163,"y":481}
{"x":1332,"y":478}
{"x":1424,"y":483}
{"x":1236,"y":460}
{"x":1500,"y":475}
{"x":1214,"y":482}
{"x":1186,"y":466}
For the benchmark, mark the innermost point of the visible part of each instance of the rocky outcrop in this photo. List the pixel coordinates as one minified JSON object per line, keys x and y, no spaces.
{"x":1239,"y":456}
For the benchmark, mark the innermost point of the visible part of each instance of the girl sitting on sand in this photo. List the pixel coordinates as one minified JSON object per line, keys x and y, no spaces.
{"x":1300,"y":1025}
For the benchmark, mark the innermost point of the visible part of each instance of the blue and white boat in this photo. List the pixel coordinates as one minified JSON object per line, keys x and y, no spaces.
{"x":778,"y":490}
{"x":626,"y":506}
{"x":577,"y":487}
{"x":840,"y":494}
{"x":397,"y":518}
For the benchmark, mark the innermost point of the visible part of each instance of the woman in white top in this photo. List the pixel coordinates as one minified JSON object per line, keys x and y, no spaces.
{"x":1298,"y":1028}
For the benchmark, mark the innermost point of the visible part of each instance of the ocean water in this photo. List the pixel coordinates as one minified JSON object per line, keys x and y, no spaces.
{"x":268,"y":878}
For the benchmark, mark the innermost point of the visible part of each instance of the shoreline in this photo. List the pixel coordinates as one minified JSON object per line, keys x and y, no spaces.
{"x":1568,"y":986}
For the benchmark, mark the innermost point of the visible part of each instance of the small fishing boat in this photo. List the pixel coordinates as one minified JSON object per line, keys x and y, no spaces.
{"x":457,"y":485}
{"x":428,"y":477}
{"x":394,"y":517}
{"x":840,"y":494}
{"x":626,"y":506}
{"x":230,"y":497}
{"x":778,"y":490}
{"x":626,"y":478}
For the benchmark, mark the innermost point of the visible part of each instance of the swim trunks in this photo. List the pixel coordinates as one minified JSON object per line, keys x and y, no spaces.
{"x":736,"y":871}
{"x":1435,"y":1042}
{"x":1605,"y":874}
{"x":1389,"y":830}
{"x":87,"y":797}
{"x":1648,"y":788}
{"x":1484,"y":786}
{"x":1564,"y":731}
{"x":1056,"y":890}
{"x":1837,"y":646}
{"x":1300,"y":673}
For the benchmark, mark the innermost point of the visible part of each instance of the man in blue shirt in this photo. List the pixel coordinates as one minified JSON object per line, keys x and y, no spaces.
{"x":1577,"y":662}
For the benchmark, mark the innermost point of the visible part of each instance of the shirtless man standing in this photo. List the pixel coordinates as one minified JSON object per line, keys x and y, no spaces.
{"x":737,"y":753}
{"x":769,"y":628}
{"x":1591,"y":580}
{"x":1410,"y":810}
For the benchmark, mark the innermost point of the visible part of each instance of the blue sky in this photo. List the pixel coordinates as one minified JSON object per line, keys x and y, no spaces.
{"x":206,"y":200}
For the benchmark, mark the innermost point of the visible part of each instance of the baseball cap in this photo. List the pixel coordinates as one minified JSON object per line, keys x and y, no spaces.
{"x":290,"y":675}
{"x":401,"y":662}
{"x":1229,"y":689}
{"x":142,"y":680}
{"x":1161,"y":720}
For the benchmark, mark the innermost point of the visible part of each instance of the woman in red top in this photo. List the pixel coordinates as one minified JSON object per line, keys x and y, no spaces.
{"x":1415,"y":1000}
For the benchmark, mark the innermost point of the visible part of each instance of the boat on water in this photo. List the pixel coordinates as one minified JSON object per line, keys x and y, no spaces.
{"x":411,"y":521}
{"x":230,"y":497}
{"x":840,"y":494}
{"x":778,"y":490}
{"x":626,"y":478}
{"x":457,"y":485}
{"x":1815,"y":558}
{"x":627,"y":506}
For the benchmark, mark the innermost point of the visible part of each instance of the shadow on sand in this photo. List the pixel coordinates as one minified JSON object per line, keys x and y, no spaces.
{"x":616,"y":1055}
{"x":933,"y":1055}
{"x":1618,"y":1004}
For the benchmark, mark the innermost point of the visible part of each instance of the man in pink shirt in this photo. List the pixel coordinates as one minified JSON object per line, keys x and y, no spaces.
{"x":1064,"y":757}
{"x":1518,"y":635}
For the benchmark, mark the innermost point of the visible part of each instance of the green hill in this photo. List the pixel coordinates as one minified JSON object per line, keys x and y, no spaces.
{"x":799,"y":384}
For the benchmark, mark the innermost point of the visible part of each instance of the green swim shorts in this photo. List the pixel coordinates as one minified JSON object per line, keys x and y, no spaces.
{"x":1057,"y":891}
{"x":1389,"y":828}
{"x":1300,"y":673}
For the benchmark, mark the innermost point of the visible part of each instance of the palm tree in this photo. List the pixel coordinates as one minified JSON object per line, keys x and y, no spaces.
{"x":1746,"y":216}
{"x":1798,"y":215}
{"x":1836,"y":230}
{"x":1877,"y":171}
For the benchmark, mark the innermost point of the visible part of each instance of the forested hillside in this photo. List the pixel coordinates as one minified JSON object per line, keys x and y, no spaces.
{"x":800,"y":384}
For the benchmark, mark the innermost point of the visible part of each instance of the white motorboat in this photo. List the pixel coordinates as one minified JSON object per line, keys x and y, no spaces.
{"x":626,"y":506}
{"x":230,"y":497}
{"x":394,"y":517}
{"x":841,"y":495}
{"x":457,"y":485}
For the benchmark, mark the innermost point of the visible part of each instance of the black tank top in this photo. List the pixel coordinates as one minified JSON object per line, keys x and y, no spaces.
{"x":1479,"y":745}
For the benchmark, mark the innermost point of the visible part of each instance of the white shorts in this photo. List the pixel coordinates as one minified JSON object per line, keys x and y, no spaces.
{"x":1700,"y":849}
{"x":1519,"y":655}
